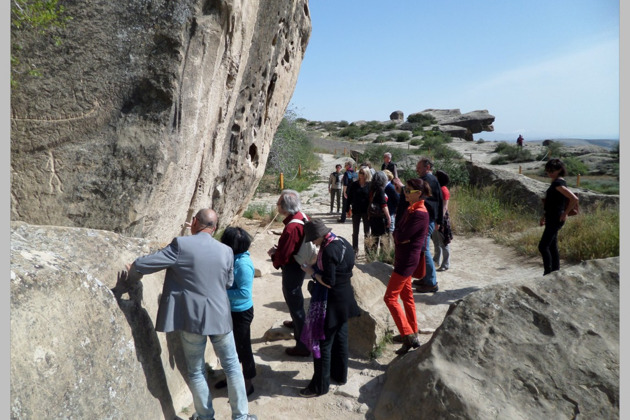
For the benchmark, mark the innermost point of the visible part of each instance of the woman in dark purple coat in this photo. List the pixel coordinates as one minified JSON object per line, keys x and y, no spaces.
{"x":410,"y":238}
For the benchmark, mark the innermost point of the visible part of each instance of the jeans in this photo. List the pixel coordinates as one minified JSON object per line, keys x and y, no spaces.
{"x":441,"y":250}
{"x":335,"y":194}
{"x":430,"y":279}
{"x":334,"y":361}
{"x":194,"y":347}
{"x":292,"y":281}
{"x":242,"y":322}
{"x":548,"y":247}
{"x":392,"y":217}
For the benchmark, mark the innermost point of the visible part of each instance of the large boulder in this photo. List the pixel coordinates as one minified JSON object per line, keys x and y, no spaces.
{"x":369,"y":282}
{"x":83,"y":346}
{"x":397,"y":116}
{"x":532,"y":349}
{"x":147,"y":111}
{"x":473,"y":122}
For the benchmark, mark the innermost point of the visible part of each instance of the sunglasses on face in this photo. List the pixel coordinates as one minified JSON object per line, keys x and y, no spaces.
{"x":408,"y":191}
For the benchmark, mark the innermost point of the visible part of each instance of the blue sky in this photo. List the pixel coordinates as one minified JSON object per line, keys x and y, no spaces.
{"x":544,"y":69}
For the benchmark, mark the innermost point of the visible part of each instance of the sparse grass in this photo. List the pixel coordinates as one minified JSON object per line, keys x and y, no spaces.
{"x":385,"y":252}
{"x":482,"y":211}
{"x":590,"y":235}
{"x":587,"y":236}
{"x":377,"y":350}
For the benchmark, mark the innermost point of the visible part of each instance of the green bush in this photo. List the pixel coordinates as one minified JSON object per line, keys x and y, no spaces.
{"x":342,"y":124}
{"x":423,"y":119}
{"x":351,"y":131}
{"x":456,"y":170}
{"x":575,"y":166}
{"x":291,"y":148}
{"x":401,"y":137}
{"x":374,"y":153}
{"x":415,"y":142}
{"x":511,"y":154}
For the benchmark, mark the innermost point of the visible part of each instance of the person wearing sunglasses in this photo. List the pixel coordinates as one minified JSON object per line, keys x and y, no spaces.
{"x":410,"y":238}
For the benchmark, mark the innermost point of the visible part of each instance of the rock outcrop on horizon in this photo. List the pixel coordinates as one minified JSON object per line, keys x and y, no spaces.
{"x":453,"y":122}
{"x":147,"y":111}
{"x":531,"y":349}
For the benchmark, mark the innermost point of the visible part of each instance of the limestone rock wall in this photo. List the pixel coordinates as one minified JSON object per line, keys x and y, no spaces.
{"x":535,"y":349}
{"x":147,"y":111}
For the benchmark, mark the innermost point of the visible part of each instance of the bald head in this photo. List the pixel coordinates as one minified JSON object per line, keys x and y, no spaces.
{"x":205,"y":219}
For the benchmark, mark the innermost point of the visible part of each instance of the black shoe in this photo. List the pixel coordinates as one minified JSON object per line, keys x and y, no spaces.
{"x":442,"y":269}
{"x":418,"y":282}
{"x":427,"y":289}
{"x":307,"y":393}
{"x":398,"y":339}
{"x":411,"y":341}
{"x":294,"y":351}
{"x":288,"y":324}
{"x":341,"y":221}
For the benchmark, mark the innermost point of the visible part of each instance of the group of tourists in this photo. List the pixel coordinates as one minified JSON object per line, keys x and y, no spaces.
{"x":377,"y":199}
{"x":208,"y":284}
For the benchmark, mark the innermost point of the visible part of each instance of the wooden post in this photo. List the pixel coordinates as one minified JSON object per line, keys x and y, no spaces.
{"x":300,"y":170}
{"x":520,"y":170}
{"x":344,"y":151}
{"x":281,"y":181}
{"x":578,"y":180}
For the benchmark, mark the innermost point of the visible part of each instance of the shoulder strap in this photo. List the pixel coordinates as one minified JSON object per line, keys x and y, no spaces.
{"x":298,"y":220}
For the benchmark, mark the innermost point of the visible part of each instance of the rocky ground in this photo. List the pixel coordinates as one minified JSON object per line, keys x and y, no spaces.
{"x":475,"y":263}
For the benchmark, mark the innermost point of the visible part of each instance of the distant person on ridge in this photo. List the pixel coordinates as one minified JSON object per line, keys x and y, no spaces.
{"x":519,"y":141}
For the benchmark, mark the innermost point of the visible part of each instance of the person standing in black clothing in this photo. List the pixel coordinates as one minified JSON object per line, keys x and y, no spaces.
{"x":389,"y":165}
{"x":358,"y":198}
{"x":556,"y":211}
{"x":349,"y":176}
{"x":332,"y":304}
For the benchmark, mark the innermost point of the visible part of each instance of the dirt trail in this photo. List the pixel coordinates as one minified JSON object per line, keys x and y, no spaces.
{"x":475,"y":263}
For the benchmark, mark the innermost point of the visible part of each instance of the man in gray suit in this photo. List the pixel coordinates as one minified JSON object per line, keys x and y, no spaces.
{"x":194,"y":301}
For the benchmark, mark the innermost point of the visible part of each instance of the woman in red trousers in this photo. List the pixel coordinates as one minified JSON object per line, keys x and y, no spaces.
{"x":409,"y":238}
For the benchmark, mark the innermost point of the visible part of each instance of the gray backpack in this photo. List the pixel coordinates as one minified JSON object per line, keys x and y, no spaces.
{"x":308,"y":250}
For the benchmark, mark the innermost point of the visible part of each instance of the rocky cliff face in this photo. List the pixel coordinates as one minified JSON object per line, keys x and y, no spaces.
{"x":148,"y":111}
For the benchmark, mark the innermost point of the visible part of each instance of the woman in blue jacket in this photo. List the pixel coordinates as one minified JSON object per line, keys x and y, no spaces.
{"x":241,"y":303}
